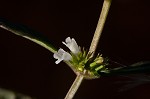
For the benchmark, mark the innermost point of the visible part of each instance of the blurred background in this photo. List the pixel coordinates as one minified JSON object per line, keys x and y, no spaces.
{"x":29,"y":69}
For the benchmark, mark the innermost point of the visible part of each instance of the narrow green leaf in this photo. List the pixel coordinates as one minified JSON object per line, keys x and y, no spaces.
{"x":140,"y":67}
{"x":27,"y":33}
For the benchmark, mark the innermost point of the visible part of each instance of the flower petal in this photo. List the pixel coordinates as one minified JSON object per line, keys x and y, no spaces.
{"x":62,"y":55}
{"x":58,"y":61}
{"x":66,"y":56}
{"x":72,"y":45}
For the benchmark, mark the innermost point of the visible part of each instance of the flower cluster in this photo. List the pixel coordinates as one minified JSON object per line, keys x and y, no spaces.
{"x":81,"y":60}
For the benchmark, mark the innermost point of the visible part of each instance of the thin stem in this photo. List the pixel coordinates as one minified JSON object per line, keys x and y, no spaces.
{"x":97,"y":34}
{"x":100,"y":25}
{"x":74,"y":87}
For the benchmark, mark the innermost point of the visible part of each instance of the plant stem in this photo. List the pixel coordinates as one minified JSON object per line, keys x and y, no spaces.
{"x":96,"y":37}
{"x":74,"y":87}
{"x":100,"y":25}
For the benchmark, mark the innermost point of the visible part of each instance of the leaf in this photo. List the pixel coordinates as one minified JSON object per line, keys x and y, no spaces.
{"x":27,"y":33}
{"x":140,"y":67}
{"x":30,"y":34}
{"x":135,"y":74}
{"x":134,"y":81}
{"x":9,"y":94}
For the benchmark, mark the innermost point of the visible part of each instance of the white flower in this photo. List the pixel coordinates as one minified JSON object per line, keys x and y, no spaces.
{"x":72,"y":45}
{"x":62,"y":55}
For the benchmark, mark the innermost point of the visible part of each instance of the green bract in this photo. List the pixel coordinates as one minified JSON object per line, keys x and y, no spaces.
{"x":83,"y":61}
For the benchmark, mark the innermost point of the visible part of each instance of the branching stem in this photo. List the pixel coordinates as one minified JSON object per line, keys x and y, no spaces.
{"x":96,"y":37}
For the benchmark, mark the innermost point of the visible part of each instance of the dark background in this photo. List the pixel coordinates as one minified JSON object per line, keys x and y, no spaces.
{"x":30,"y":69}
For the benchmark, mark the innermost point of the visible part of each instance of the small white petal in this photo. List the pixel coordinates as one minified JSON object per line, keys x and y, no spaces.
{"x":68,"y":40}
{"x":72,"y":45}
{"x":58,"y":61}
{"x":62,"y":55}
{"x":66,"y":56}
{"x":58,"y":54}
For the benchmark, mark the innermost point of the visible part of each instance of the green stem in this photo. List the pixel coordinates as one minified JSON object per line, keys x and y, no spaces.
{"x":96,"y":37}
